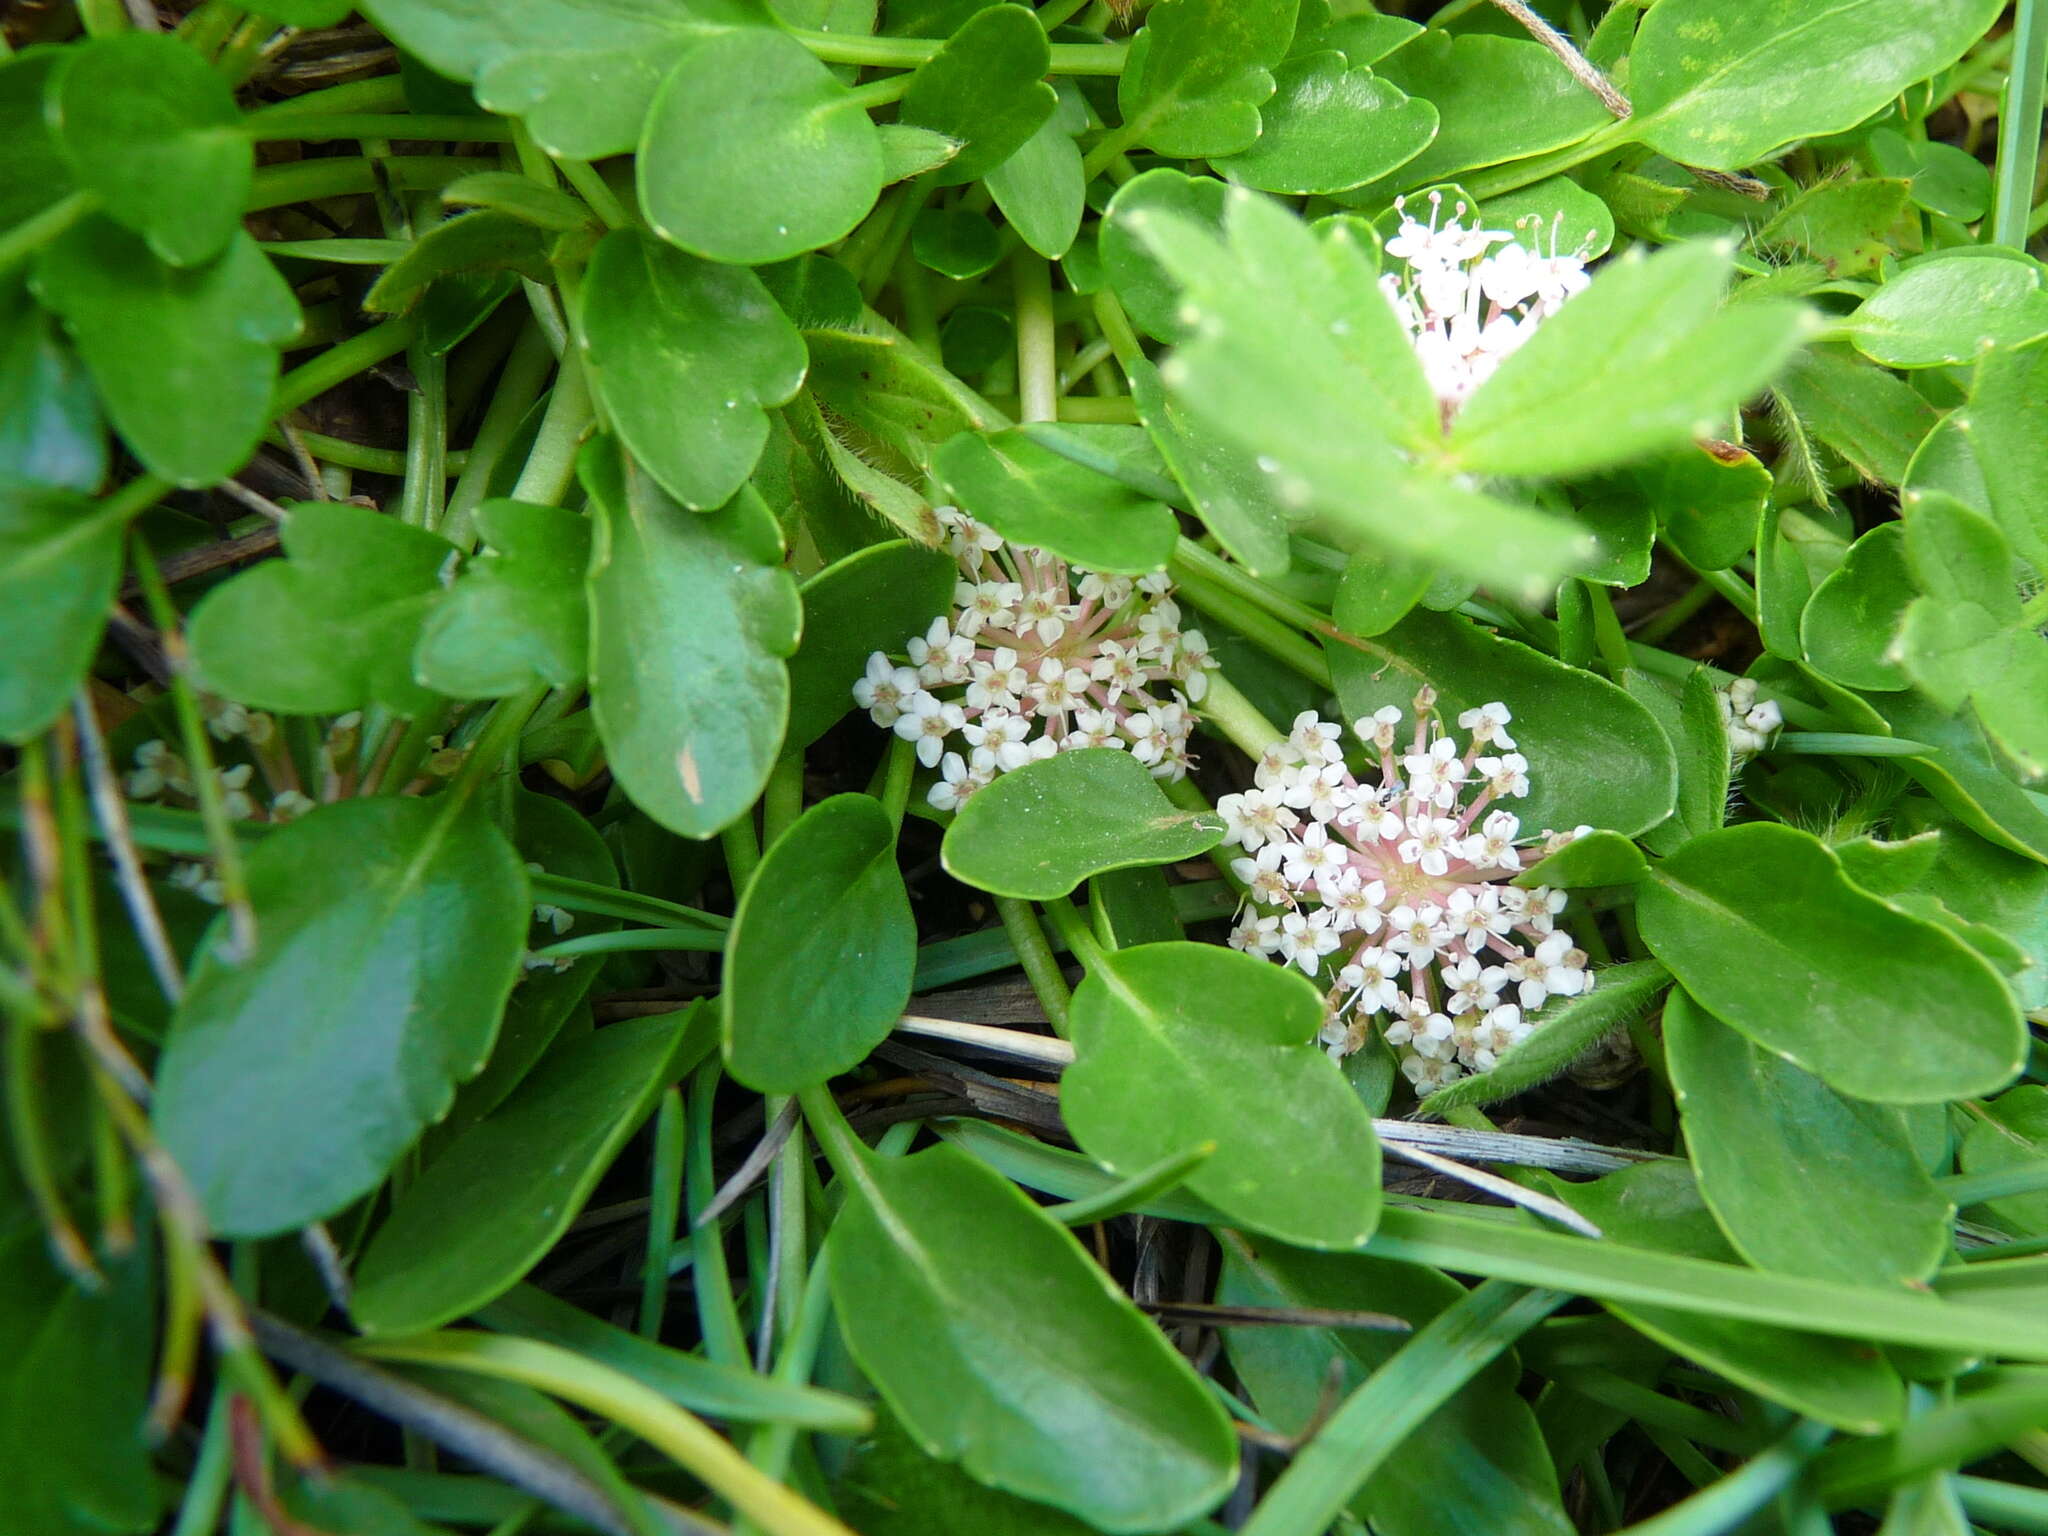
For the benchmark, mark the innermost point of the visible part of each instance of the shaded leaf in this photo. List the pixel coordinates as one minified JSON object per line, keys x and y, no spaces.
{"x":60,"y":559}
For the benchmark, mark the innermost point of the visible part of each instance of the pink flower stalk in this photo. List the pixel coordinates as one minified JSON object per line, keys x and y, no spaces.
{"x":1394,"y":887}
{"x":1039,"y":657}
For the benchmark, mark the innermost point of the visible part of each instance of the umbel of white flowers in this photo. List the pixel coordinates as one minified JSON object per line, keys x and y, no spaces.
{"x":1039,"y":657}
{"x":1391,"y":887}
{"x":1467,"y":305}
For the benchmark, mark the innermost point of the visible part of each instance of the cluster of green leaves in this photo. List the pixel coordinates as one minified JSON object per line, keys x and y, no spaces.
{"x":693,"y":311}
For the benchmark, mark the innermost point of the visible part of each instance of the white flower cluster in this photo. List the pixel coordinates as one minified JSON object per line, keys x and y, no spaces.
{"x":1466,"y":305}
{"x":1393,"y":885}
{"x":1039,"y":657}
{"x":1751,"y":724}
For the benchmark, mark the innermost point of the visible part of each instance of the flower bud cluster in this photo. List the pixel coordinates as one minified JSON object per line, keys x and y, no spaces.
{"x":1750,"y":724}
{"x":1039,"y":657}
{"x":1467,"y":305}
{"x":1391,"y":886}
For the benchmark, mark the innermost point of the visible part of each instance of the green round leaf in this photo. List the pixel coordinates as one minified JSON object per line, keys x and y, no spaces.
{"x":1948,"y":309}
{"x":1722,"y":83}
{"x":185,"y":358}
{"x":753,"y":151}
{"x":1707,"y":500}
{"x":1040,"y":188}
{"x":1148,"y":294}
{"x":333,"y":626}
{"x":691,"y":615}
{"x":1598,"y":858}
{"x":517,"y":614}
{"x":1033,"y":496}
{"x":501,"y":1195}
{"x":1802,"y":1180}
{"x":1853,"y":617}
{"x":60,"y":560}
{"x":388,"y":933}
{"x":152,"y":129}
{"x":955,"y":243}
{"x":1330,"y":128}
{"x":1199,"y":71}
{"x":1178,"y":1044}
{"x":985,"y":88}
{"x":1760,"y":924}
{"x":1001,"y":1345}
{"x":1596,"y":756}
{"x":1554,"y":215}
{"x":876,"y":599}
{"x":1037,"y":832}
{"x":686,"y":354}
{"x":818,"y":966}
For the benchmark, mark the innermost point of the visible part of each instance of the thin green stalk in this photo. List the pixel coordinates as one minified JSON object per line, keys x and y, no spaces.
{"x":519,"y":385}
{"x":1072,"y":927}
{"x":636,"y":941}
{"x":718,"y":1318}
{"x":878,"y":93}
{"x":664,"y":1208}
{"x":783,"y":800}
{"x":742,"y":852}
{"x":900,"y":767}
{"x":213,"y":810}
{"x":802,"y":1334}
{"x":2009,"y":1506}
{"x":1667,"y":622}
{"x":301,"y":181}
{"x":495,"y":749}
{"x":1526,"y":173}
{"x":889,"y":230}
{"x":340,"y":363}
{"x":426,"y":439}
{"x":597,"y":192}
{"x":29,"y":1134}
{"x":1110,"y":147}
{"x":21,"y":242}
{"x":318,"y":127}
{"x":2019,"y":125}
{"x":551,"y":466}
{"x":206,"y":1485}
{"x":1280,"y":641}
{"x":1607,"y":632}
{"x":2024,"y":1178}
{"x":383,"y":93}
{"x":1038,"y":374}
{"x":1041,"y":969}
{"x":909,"y":52}
{"x":1420,"y":1377}
{"x":1237,"y":717}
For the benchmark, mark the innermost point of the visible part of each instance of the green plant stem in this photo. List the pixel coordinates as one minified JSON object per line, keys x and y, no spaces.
{"x":213,"y":810}
{"x":551,"y":466}
{"x":664,"y":1209}
{"x":383,"y":93}
{"x":597,"y":192}
{"x":21,"y":242}
{"x":2035,"y":613}
{"x":634,"y":941}
{"x":742,"y":852}
{"x":717,"y":1317}
{"x":802,"y":1334}
{"x":29,"y":1137}
{"x":879,"y":93}
{"x":783,"y":800}
{"x":426,"y":439}
{"x":1969,"y":1189}
{"x":519,"y":385}
{"x":909,"y":52}
{"x":1071,"y":926}
{"x":1526,"y":173}
{"x":1607,"y":632}
{"x":900,"y":767}
{"x":1439,"y":1359}
{"x":206,"y":1485}
{"x":1281,"y":641}
{"x":1038,"y":374}
{"x":1111,"y":147}
{"x":1041,"y":969}
{"x":495,"y":749}
{"x":1237,"y":717}
{"x":342,"y":362}
{"x":305,"y":181}
{"x":317,"y":127}
{"x":2019,"y":125}
{"x":1667,"y":622}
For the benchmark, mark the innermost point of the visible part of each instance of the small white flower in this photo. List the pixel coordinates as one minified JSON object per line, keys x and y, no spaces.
{"x":883,"y":688}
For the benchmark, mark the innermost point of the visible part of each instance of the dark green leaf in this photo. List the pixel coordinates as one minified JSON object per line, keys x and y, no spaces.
{"x":985,"y":88}
{"x":691,"y":616}
{"x":2012,"y":1130}
{"x":874,"y":600}
{"x":487,"y":240}
{"x":1690,"y":714}
{"x":333,"y":626}
{"x":517,"y":614}
{"x":32,"y":172}
{"x":955,"y":243}
{"x":1707,"y":499}
{"x":502,"y":1194}
{"x":1801,"y":1179}
{"x":50,"y":431}
{"x":185,"y":359}
{"x":818,"y":965}
{"x":388,"y":933}
{"x":1178,"y":1044}
{"x":1596,"y":756}
{"x":686,"y":354}
{"x":1331,"y":127}
{"x":999,"y":1344}
{"x":1037,"y":832}
{"x":1199,"y":71}
{"x":60,"y":559}
{"x":1033,"y":496}
{"x":1231,"y":494}
{"x":1497,"y":98}
{"x":149,"y":127}
{"x":1148,"y":293}
{"x":1040,"y":189}
{"x":1752,"y":916}
{"x":1853,"y":616}
{"x":753,"y":151}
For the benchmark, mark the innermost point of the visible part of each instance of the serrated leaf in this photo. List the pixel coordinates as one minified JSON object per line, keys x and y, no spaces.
{"x":1199,"y":71}
{"x":1038,"y":831}
{"x":332,"y":626}
{"x":691,"y":617}
{"x":1177,"y":1044}
{"x":687,"y":354}
{"x":388,"y":933}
